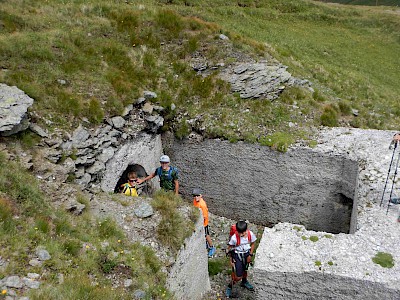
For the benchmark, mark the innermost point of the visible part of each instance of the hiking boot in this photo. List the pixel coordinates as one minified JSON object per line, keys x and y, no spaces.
{"x":211,"y":252}
{"x":228,"y":292}
{"x":247,"y":285}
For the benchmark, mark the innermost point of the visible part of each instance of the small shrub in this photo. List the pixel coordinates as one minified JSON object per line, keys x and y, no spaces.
{"x":318,"y":263}
{"x":43,"y":225}
{"x":345,"y":107}
{"x":279,"y":141}
{"x":6,"y":215}
{"x":182,"y":130}
{"x":313,"y":238}
{"x":329,"y":117}
{"x":330,"y":263}
{"x":171,"y":21}
{"x":318,"y":96}
{"x":106,"y":264}
{"x":328,"y":236}
{"x":72,"y":247}
{"x":383,"y":259}
{"x":108,"y":228}
{"x":94,"y":111}
{"x":303,"y":237}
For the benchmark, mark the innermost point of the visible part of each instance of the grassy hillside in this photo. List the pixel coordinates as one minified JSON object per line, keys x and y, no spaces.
{"x":366,"y":2}
{"x":89,"y":59}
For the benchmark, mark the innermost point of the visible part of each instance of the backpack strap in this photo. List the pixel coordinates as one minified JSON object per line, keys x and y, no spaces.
{"x":238,"y":237}
{"x":169,"y":174}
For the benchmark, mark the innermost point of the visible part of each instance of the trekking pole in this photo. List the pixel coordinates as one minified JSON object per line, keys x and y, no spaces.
{"x":387,"y":178}
{"x":394,"y":178}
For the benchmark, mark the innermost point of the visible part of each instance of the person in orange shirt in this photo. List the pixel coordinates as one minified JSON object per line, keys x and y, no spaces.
{"x":199,"y":202}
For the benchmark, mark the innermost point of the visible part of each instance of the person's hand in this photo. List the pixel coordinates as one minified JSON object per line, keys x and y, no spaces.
{"x":139,"y":181}
{"x":249,"y":259}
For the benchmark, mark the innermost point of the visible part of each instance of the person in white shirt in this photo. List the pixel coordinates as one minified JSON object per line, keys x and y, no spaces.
{"x":241,"y":249}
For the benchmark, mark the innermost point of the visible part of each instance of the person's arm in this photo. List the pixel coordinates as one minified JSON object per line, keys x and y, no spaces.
{"x":176,"y":182}
{"x":249,"y":258}
{"x":139,"y":181}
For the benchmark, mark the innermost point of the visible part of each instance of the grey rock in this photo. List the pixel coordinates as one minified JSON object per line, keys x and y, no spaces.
{"x":42,"y":254}
{"x":128,"y":282}
{"x":35,"y":262}
{"x":107,"y":154}
{"x":158,"y":108}
{"x":149,"y":95}
{"x":144,"y":210}
{"x":139,"y":294}
{"x":127,"y":110}
{"x":80,"y":135}
{"x":223,"y":37}
{"x":140,"y":100}
{"x":52,"y":155}
{"x":69,"y":165}
{"x":33,"y":275}
{"x":38,"y":130}
{"x":30,"y":283}
{"x":13,"y":282}
{"x":147,"y":108}
{"x":118,"y":122}
{"x":75,"y":207}
{"x":157,"y":120}
{"x":14,"y":105}
{"x":84,"y":180}
{"x":96,"y":167}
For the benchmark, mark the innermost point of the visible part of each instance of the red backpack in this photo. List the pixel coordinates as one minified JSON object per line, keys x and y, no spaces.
{"x":233,"y":231}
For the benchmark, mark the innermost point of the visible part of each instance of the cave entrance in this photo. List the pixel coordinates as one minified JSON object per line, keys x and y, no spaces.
{"x":143,"y":189}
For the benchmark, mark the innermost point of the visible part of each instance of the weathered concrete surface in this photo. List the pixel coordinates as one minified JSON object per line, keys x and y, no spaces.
{"x":144,"y":151}
{"x":246,"y":181}
{"x":287,"y":261}
{"x":188,"y":278}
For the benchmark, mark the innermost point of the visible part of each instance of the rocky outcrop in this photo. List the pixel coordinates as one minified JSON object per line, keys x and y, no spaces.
{"x":259,"y":80}
{"x":14,"y":105}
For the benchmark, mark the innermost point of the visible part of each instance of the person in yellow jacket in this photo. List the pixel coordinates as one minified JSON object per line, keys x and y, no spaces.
{"x":129,"y":188}
{"x":199,"y":202}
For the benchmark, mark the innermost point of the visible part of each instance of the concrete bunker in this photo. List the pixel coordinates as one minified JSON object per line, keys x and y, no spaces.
{"x":267,"y":187}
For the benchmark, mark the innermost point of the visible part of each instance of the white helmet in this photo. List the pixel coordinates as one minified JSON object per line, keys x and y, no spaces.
{"x":164,"y":158}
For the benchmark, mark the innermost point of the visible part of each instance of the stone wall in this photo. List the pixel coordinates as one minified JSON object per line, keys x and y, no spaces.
{"x":247,"y":181}
{"x":188,"y":278}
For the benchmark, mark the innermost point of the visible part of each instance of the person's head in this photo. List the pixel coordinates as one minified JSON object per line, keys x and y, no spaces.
{"x":164,"y":161}
{"x":132,"y":176}
{"x":196,"y":193}
{"x":241,"y":226}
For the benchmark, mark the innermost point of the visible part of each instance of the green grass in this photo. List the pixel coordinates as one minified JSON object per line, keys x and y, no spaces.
{"x":110,"y":52}
{"x":219,"y":265}
{"x":366,"y":2}
{"x":173,"y":229}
